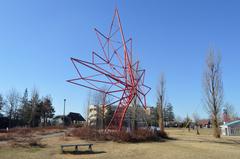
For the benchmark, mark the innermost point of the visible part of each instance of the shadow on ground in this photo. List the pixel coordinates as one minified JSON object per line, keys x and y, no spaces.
{"x":83,"y":152}
{"x":218,"y":141}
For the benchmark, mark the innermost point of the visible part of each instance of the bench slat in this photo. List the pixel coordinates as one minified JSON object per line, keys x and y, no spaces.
{"x":69,"y":145}
{"x":76,"y":146}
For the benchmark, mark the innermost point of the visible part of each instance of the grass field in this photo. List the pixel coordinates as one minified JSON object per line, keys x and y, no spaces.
{"x":185,"y":145}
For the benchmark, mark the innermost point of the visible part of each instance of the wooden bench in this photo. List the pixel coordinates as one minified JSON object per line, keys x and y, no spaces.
{"x":76,"y":146}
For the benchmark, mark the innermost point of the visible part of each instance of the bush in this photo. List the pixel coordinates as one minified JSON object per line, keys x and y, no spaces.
{"x":22,"y":132}
{"x":141,"y":135}
{"x":27,"y":142}
{"x":6,"y":137}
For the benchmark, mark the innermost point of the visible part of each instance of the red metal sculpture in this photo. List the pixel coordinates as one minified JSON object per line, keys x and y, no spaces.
{"x":113,"y":72}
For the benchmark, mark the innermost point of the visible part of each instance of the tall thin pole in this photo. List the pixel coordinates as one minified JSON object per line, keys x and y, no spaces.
{"x":64,"y":112}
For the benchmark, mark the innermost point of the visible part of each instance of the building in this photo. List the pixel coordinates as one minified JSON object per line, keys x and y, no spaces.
{"x":205,"y":123}
{"x":231,"y":128}
{"x":92,"y":115}
{"x":76,"y":118}
{"x":57,"y":120}
{"x":226,"y":118}
{"x":71,"y":118}
{"x":95,"y":115}
{"x":137,"y":117}
{"x":140,"y":118}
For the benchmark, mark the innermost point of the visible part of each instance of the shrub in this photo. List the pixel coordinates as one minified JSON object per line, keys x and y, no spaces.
{"x":141,"y":135}
{"x":27,"y":142}
{"x":22,"y":132}
{"x":6,"y":136}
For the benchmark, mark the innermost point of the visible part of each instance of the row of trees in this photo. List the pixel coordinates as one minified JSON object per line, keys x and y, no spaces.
{"x":24,"y":110}
{"x":213,"y":93}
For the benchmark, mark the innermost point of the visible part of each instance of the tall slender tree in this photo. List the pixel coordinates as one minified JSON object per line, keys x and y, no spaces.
{"x":87,"y":105}
{"x":213,"y":88}
{"x":161,"y":93}
{"x":25,"y":109}
{"x":101,"y":100}
{"x":196,"y":119}
{"x":34,"y":104}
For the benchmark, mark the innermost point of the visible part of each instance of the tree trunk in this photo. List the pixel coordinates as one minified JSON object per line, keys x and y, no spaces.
{"x":198,"y":130}
{"x":216,"y":130}
{"x":161,"y":118}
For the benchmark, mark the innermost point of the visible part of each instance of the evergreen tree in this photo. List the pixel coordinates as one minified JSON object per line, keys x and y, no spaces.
{"x":35,"y":109}
{"x":25,"y":109}
{"x":168,"y":114}
{"x":46,"y":109}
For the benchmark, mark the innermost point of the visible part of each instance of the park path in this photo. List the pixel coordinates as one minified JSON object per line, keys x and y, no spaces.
{"x":3,"y":142}
{"x":55,"y":134}
{"x":45,"y":136}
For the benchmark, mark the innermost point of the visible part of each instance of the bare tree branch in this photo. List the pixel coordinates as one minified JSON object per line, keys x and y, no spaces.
{"x":213,"y":89}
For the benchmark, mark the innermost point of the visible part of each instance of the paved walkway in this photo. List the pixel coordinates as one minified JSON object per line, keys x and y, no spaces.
{"x":54,"y":134}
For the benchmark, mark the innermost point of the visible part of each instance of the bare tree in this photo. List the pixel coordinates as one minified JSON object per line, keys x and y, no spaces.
{"x":2,"y":102}
{"x":213,"y":88}
{"x":87,"y":107}
{"x":188,"y":123}
{"x":13,"y":99}
{"x":102,"y":101}
{"x":230,"y":111}
{"x":161,"y":93}
{"x":196,"y":120}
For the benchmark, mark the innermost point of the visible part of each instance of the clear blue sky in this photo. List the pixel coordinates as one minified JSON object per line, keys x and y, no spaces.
{"x":37,"y":38}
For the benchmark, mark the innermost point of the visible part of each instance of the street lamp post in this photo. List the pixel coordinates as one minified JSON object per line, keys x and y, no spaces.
{"x":64,"y":112}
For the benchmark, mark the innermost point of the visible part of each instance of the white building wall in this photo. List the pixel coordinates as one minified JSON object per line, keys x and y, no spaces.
{"x":233,"y":130}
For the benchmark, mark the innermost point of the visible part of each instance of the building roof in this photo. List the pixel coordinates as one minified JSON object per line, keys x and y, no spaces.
{"x":232,"y":123}
{"x":58,"y":116}
{"x":76,"y":116}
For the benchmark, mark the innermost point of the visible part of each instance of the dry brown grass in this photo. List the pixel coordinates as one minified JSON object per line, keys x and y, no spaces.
{"x":16,"y":133}
{"x":186,"y":146}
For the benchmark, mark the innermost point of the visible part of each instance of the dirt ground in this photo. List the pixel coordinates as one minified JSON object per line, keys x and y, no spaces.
{"x":184,"y":145}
